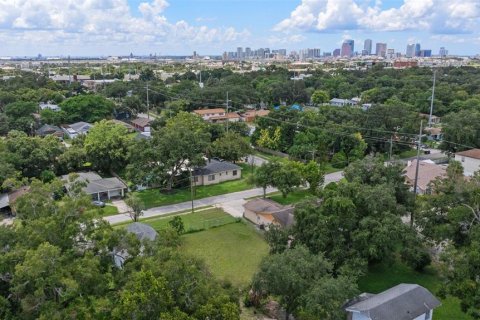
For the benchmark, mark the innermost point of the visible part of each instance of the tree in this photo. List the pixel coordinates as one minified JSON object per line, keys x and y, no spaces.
{"x":177,"y":224}
{"x":179,"y":146}
{"x":296,"y":276}
{"x":89,"y":108}
{"x":320,"y":96}
{"x":107,"y":145}
{"x":20,"y":116}
{"x":137,"y":206}
{"x":230,"y":147}
{"x":288,"y":177}
{"x":263,"y":176}
{"x":314,"y":175}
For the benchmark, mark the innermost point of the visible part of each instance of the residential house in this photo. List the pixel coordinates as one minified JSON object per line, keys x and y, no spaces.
{"x":434,"y":133}
{"x":402,"y":302}
{"x":142,"y":232}
{"x":341,"y":102}
{"x":49,"y":106}
{"x":264,"y":212}
{"x":47,"y":129}
{"x":127,"y":126}
{"x":97,"y":187}
{"x":216,"y":171}
{"x":7,"y":200}
{"x":435,"y":120}
{"x":230,"y":117}
{"x":76,"y":129}
{"x":250,"y":116}
{"x":142,"y":124}
{"x":428,"y":172}
{"x":470,"y":160}
{"x":206,"y":114}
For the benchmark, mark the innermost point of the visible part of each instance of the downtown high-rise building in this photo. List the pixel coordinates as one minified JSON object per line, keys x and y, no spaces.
{"x":418,"y":48}
{"x":367,"y":47}
{"x":381,"y":49}
{"x":410,"y":50}
{"x":248,"y":53}
{"x":348,"y":48}
{"x":240,"y":53}
{"x":443,"y":52}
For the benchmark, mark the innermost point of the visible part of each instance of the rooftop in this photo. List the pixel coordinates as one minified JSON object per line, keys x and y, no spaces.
{"x":402,"y":302}
{"x":427,"y":172}
{"x":141,"y":122}
{"x":142,"y":231}
{"x":215,"y":166}
{"x":208,"y":111}
{"x":472,"y":153}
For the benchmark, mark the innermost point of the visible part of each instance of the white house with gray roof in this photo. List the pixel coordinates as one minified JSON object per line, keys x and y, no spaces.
{"x":75,"y":129}
{"x":216,"y":171}
{"x":402,"y":302}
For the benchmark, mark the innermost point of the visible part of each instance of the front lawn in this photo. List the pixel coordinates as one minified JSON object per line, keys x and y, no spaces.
{"x":232,"y":252}
{"x":154,"y":198}
{"x":201,"y":220}
{"x":382,"y":277}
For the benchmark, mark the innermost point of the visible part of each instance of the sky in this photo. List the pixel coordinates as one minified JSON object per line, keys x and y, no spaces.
{"x":178,"y":27}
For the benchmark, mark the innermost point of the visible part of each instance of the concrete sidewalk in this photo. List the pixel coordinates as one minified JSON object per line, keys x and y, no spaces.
{"x":231,"y":202}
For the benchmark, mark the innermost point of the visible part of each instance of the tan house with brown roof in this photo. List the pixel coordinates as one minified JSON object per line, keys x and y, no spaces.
{"x":250,"y":116}
{"x":206,"y":114}
{"x":470,"y":160}
{"x":264,"y":212}
{"x":428,"y":172}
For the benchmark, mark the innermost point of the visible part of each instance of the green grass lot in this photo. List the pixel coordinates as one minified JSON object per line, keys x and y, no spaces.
{"x":232,"y":252}
{"x":265,"y":155}
{"x":382,"y":277}
{"x":292,"y":198}
{"x":194,"y":221}
{"x":408,"y":154}
{"x":154,"y":198}
{"x":106,"y":211}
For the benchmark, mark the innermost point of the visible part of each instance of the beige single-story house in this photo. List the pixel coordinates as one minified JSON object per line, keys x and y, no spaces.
{"x":428,"y":172}
{"x":470,"y":160}
{"x":216,"y":171}
{"x":99,"y":188}
{"x":264,"y":212}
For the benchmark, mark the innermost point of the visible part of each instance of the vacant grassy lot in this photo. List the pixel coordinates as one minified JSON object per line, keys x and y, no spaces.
{"x":382,"y":277}
{"x":194,"y":221}
{"x":154,"y":198}
{"x":232,"y":252}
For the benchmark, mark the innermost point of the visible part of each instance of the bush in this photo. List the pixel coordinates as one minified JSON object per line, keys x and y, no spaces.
{"x":416,"y":257}
{"x":339,"y":160}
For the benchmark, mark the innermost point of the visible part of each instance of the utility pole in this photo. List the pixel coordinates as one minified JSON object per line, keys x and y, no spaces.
{"x":148,"y":105}
{"x":416,"y":172}
{"x":227,"y":113}
{"x":391,"y":149}
{"x":191,"y":189}
{"x":433,"y":97}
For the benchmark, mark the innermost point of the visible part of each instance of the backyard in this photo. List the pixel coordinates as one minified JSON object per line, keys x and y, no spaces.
{"x":382,"y":277}
{"x":154,"y":198}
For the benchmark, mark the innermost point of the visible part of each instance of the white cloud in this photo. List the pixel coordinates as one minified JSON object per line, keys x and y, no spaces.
{"x":436,"y":16}
{"x":108,"y":23}
{"x":286,"y":40}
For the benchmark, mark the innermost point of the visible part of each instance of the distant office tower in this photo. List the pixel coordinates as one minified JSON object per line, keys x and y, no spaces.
{"x":282,"y":52}
{"x":248,"y":53}
{"x":348,"y":48}
{"x":410,"y":50}
{"x":260,"y":53}
{"x":443,"y":52}
{"x":367,"y":47}
{"x":417,"y":50}
{"x":381,"y":49}
{"x":426,"y":53}
{"x":239,"y":53}
{"x":336,"y":52}
{"x":391,"y":53}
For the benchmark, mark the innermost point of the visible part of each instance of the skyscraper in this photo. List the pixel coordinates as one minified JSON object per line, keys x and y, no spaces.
{"x":239,"y":53}
{"x":348,"y":48}
{"x":248,"y":53}
{"x":443,"y":52}
{"x":410,"y":50}
{"x":381,"y":49}
{"x":417,"y":50}
{"x":336,"y":52}
{"x":367,"y":47}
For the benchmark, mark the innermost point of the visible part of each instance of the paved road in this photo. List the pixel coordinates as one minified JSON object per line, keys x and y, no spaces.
{"x":257,"y":161}
{"x":231,"y":202}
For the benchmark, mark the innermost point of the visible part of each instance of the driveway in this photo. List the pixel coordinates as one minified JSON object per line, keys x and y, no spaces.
{"x":121,"y":206}
{"x":257,"y":161}
{"x":232,"y":203}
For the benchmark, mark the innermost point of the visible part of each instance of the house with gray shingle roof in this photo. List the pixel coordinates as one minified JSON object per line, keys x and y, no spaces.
{"x":402,"y":302}
{"x":97,"y":187}
{"x":47,"y":129}
{"x":216,"y":171}
{"x":264,"y":212}
{"x":76,"y":129}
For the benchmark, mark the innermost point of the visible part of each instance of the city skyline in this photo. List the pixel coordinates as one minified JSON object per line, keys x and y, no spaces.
{"x":210,"y":27}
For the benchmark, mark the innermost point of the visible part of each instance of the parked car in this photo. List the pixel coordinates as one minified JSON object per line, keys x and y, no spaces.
{"x":99,"y":204}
